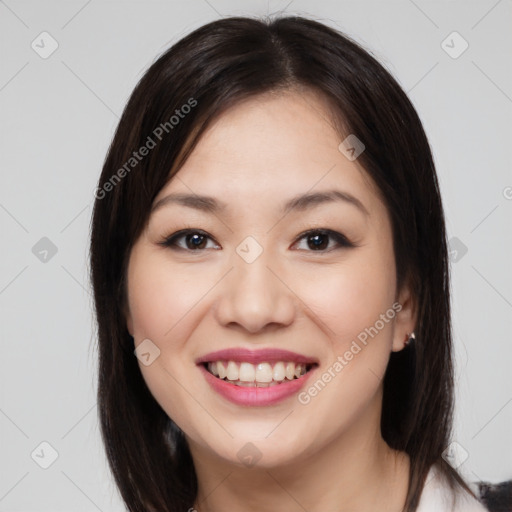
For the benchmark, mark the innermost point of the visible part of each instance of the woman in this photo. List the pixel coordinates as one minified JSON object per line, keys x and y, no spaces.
{"x":269,"y":262}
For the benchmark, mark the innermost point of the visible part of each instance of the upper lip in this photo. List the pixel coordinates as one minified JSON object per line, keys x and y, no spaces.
{"x":266,"y":355}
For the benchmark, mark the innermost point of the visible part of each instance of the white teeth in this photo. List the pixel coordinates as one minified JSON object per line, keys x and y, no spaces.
{"x":212,"y":368}
{"x":247,"y":372}
{"x":260,"y":375}
{"x":263,"y":372}
{"x":221,"y":370}
{"x":290,"y":371}
{"x":232,"y":371}
{"x":279,"y":372}
{"x":245,"y":384}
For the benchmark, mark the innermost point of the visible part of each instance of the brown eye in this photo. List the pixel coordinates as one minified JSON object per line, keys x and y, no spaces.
{"x":194,"y":240}
{"x":319,"y":240}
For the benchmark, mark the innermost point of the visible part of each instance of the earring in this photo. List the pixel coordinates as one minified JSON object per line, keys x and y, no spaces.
{"x":408,"y":338}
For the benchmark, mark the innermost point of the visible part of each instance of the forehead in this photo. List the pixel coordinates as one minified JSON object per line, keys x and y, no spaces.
{"x":271,"y":147}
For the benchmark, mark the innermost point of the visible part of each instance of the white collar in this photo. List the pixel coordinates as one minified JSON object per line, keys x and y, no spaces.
{"x":438,"y":497}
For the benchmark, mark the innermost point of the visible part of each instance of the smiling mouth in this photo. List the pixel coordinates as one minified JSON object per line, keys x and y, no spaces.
{"x":261,"y":375}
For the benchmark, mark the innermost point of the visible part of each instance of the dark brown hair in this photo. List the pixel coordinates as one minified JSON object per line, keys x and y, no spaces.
{"x":217,"y":66}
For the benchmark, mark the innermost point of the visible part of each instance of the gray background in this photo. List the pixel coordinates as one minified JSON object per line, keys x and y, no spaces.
{"x":58,"y":115}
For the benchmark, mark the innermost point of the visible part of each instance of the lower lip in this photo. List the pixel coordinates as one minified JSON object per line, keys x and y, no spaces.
{"x":254,"y":396}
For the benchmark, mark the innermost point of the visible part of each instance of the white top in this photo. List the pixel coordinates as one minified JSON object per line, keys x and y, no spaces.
{"x":437,"y":496}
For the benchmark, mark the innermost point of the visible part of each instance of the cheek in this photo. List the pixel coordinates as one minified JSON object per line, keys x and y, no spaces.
{"x":160,"y":296}
{"x":349,"y":304}
{"x":159,"y":300}
{"x":352,"y":297}
{"x":165,"y":305}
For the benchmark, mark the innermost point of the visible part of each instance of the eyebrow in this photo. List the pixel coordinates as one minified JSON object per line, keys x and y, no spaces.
{"x":298,"y":203}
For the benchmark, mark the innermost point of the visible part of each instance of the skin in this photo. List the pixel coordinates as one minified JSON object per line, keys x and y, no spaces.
{"x":323,"y":456}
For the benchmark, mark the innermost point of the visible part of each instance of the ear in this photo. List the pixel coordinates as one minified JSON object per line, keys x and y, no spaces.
{"x":406,"y":317}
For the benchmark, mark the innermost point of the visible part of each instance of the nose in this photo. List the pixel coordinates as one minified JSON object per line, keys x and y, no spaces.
{"x":254,"y":297}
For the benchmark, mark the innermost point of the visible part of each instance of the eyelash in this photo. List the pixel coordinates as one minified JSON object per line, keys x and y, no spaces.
{"x":340,"y":239}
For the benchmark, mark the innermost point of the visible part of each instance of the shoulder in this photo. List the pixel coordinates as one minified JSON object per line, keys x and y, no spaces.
{"x":438,"y":497}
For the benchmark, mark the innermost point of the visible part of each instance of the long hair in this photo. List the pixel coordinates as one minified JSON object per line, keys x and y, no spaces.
{"x":211,"y":70}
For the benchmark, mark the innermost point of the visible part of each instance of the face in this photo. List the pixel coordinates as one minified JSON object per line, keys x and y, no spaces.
{"x":256,"y":270}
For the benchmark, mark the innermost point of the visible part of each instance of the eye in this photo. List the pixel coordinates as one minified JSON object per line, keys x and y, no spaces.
{"x":194,"y":240}
{"x":318,"y":240}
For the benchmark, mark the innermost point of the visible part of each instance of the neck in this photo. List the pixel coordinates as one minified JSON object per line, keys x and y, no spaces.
{"x":337,"y":477}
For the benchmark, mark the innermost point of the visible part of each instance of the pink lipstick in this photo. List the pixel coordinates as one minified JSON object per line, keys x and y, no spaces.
{"x":260,"y":385}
